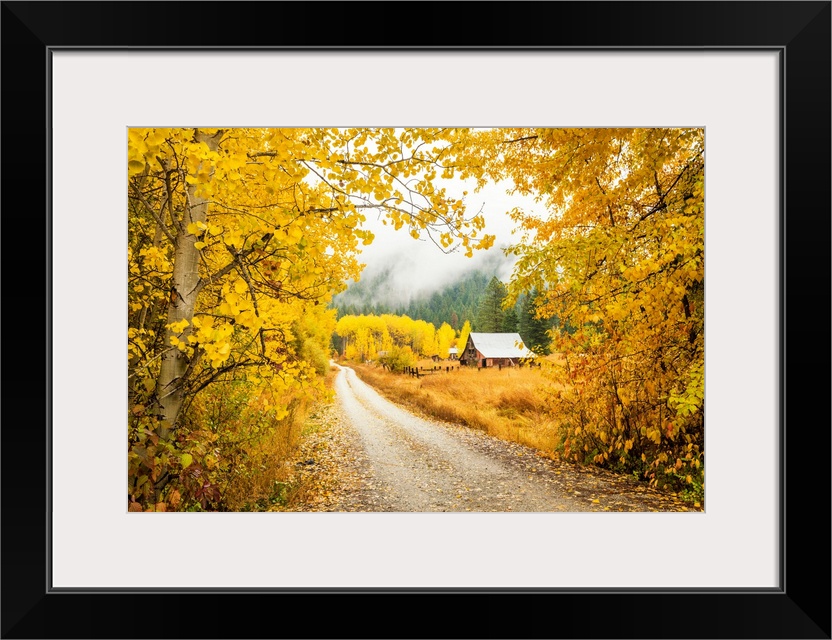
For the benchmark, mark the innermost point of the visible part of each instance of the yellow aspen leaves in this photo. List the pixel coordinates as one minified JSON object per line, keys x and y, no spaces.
{"x":619,"y":253}
{"x":178,"y":327}
{"x":277,"y":220}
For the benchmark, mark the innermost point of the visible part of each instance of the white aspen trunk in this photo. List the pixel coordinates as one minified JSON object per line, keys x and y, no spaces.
{"x":183,"y":295}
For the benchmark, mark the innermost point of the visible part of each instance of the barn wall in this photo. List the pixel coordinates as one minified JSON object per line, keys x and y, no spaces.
{"x":496,"y":362}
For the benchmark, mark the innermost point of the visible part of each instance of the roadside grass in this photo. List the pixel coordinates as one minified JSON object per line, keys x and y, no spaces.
{"x":265,"y":476}
{"x":512,"y":404}
{"x":259,"y":475}
{"x":509,"y":403}
{"x":295,"y":489}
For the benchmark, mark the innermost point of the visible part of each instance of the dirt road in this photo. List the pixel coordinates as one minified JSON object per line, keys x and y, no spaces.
{"x":365,"y":453}
{"x":419,"y":465}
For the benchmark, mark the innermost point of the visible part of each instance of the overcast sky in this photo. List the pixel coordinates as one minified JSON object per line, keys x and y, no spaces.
{"x":419,"y":265}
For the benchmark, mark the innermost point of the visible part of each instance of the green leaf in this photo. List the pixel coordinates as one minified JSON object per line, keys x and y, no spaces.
{"x":186,"y":459}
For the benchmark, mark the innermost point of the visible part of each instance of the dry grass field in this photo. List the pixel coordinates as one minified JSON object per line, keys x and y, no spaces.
{"x":508,"y":403}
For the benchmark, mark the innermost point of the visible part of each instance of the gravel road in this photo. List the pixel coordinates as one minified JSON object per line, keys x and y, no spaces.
{"x":420,"y":465}
{"x":363,"y":453}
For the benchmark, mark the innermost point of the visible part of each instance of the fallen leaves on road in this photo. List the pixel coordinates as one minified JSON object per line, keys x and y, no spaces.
{"x":330,"y":472}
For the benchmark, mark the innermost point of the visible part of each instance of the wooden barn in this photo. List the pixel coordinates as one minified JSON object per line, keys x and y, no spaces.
{"x":494,"y":349}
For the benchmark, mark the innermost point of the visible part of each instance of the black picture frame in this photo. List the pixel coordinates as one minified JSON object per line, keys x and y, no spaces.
{"x":800,"y":608}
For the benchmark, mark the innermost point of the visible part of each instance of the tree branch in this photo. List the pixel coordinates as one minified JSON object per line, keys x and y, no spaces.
{"x":244,"y":273}
{"x":519,"y":139}
{"x":140,"y":197}
{"x":230,"y":266}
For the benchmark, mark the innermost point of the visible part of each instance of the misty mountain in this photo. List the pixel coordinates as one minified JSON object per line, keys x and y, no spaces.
{"x":452,"y":298}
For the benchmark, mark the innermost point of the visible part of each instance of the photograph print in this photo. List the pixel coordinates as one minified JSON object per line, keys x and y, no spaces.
{"x":415,"y":320}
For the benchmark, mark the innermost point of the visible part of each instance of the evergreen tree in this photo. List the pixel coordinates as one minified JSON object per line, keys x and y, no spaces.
{"x":534,"y":330}
{"x":509,"y":324}
{"x":372,"y":296}
{"x":490,"y":316}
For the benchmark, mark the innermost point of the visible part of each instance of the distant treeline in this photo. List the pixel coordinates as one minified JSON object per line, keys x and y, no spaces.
{"x":477,"y":298}
{"x":453,"y":304}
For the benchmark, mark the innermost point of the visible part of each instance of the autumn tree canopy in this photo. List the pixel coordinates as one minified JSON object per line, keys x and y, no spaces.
{"x":618,"y":255}
{"x":237,"y":240}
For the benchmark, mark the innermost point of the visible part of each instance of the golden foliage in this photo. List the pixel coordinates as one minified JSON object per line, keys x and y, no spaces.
{"x":619,"y":257}
{"x":367,"y":335}
{"x":238,"y":238}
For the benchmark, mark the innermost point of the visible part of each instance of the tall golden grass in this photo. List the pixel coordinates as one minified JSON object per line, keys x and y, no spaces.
{"x":255,"y":453}
{"x":259,"y":471}
{"x":509,"y":403}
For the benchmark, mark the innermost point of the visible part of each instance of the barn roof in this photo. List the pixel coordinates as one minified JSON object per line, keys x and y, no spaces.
{"x":501,"y":345}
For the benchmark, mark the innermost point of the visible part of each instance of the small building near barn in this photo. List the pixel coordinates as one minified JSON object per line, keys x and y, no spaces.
{"x":453,"y":353}
{"x":495,"y":349}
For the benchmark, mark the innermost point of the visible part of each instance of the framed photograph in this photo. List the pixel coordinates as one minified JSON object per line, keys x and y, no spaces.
{"x":754,"y":77}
